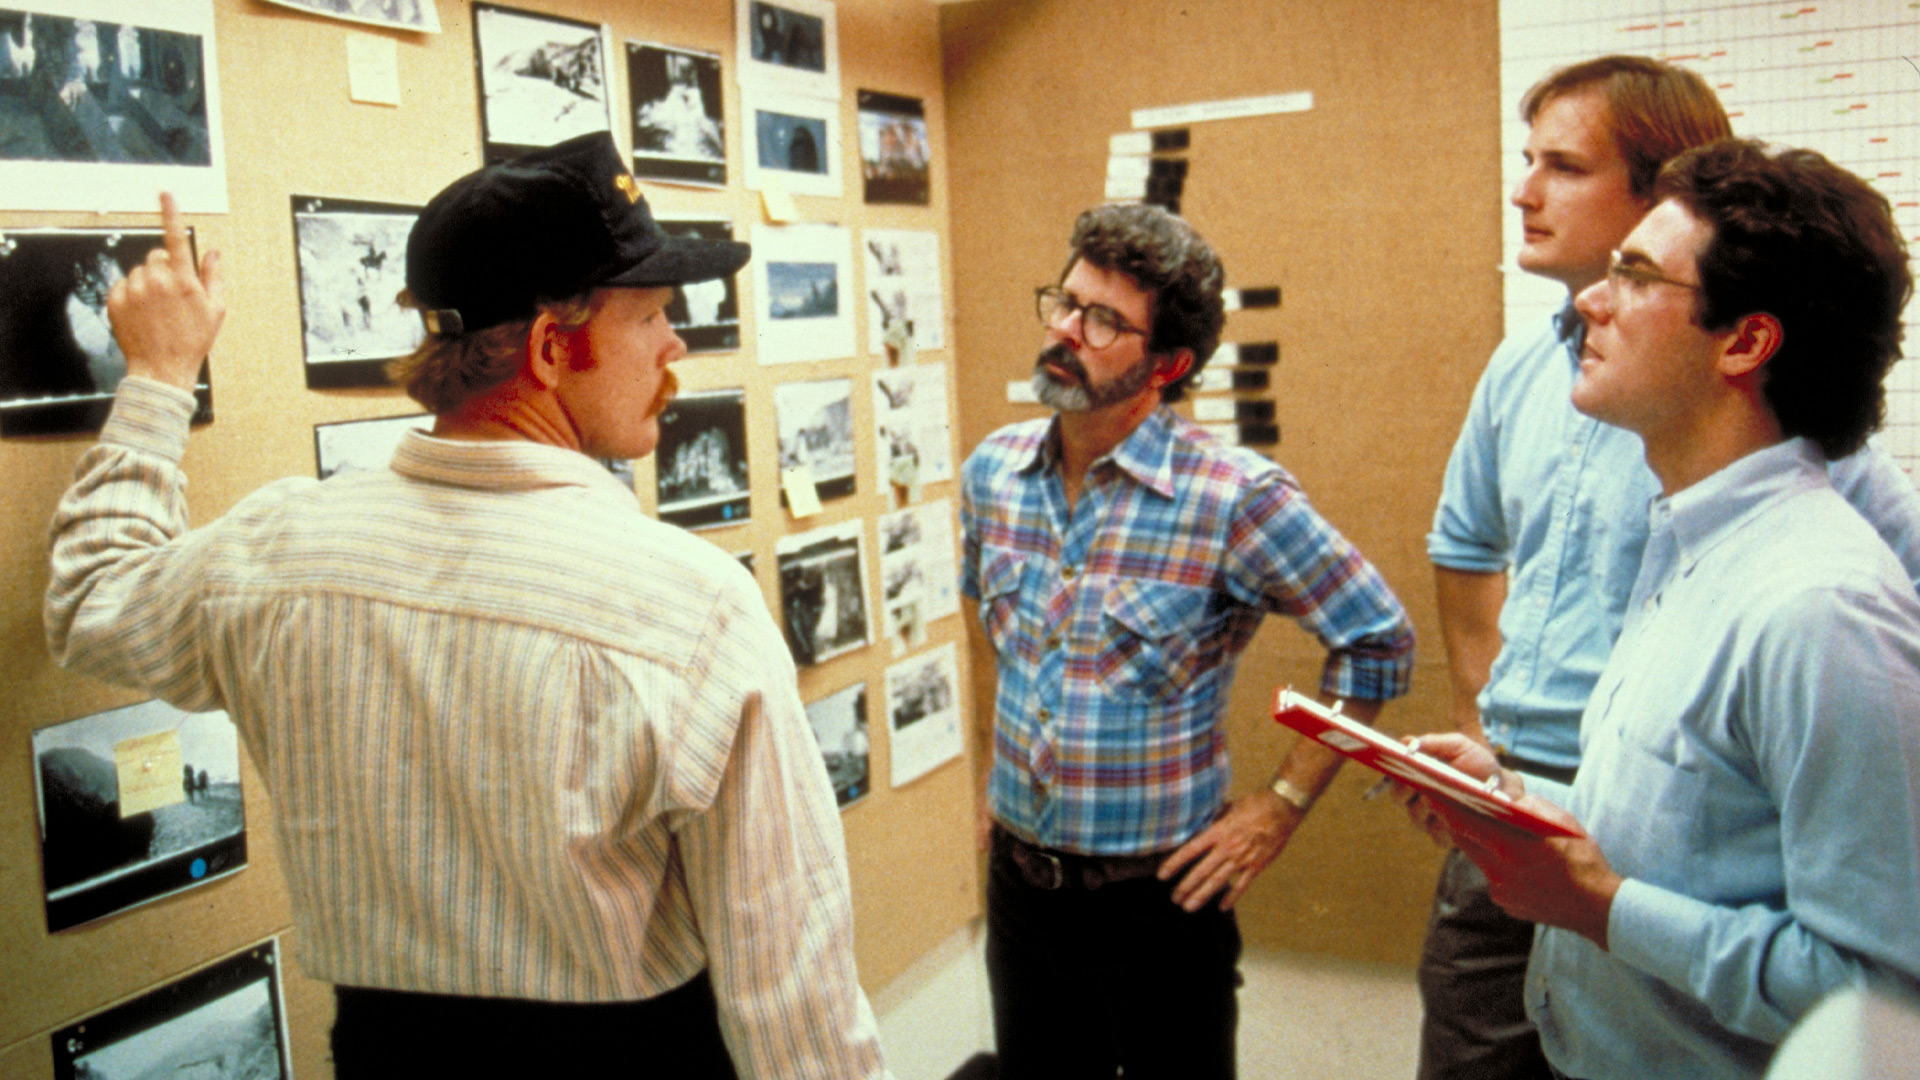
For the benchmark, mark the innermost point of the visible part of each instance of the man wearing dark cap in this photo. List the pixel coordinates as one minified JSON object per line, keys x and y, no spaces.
{"x":545,"y":787}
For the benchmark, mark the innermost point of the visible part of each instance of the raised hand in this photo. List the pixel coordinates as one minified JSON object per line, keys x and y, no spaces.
{"x":168,"y":311}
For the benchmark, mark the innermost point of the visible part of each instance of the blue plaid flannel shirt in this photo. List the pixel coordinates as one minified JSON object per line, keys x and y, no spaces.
{"x":1116,"y":629}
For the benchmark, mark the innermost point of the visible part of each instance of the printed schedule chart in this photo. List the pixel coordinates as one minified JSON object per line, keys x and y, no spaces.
{"x":1838,"y":76}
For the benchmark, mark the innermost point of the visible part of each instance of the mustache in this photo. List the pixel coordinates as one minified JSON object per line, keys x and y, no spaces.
{"x":1059,"y":355}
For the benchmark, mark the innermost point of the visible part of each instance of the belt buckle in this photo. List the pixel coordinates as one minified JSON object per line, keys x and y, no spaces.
{"x":1058,"y":877}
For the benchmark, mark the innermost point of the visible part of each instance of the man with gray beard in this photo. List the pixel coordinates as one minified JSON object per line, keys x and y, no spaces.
{"x":1120,"y":560}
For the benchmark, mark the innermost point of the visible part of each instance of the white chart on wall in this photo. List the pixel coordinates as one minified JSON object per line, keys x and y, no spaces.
{"x":1839,"y":77}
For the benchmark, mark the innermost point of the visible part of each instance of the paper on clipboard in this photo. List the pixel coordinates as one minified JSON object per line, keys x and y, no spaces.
{"x":1385,"y":754}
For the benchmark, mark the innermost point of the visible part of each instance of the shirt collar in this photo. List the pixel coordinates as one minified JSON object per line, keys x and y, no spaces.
{"x":1146,"y":454}
{"x":500,"y":465}
{"x":1719,"y":506}
{"x":1571,"y":329}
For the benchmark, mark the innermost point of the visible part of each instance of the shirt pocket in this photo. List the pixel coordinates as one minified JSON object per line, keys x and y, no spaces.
{"x":1152,"y":632}
{"x":1001,"y":572}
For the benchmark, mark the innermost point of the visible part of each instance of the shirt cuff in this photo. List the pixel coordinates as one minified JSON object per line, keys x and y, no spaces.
{"x":1448,"y":553}
{"x":1656,"y":931}
{"x":150,"y":416}
{"x":1365,"y":678}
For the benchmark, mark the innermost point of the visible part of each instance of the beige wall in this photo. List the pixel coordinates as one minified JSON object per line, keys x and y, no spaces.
{"x":1378,"y":214}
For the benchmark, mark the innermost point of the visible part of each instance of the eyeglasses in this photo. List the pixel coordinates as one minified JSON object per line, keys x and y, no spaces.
{"x":1099,"y":324}
{"x":1635,"y":278}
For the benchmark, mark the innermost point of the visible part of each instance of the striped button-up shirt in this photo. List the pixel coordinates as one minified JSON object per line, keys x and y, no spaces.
{"x":522,"y":740}
{"x":1116,"y":624}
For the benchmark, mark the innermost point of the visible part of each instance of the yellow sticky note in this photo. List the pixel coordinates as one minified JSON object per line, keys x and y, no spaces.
{"x":779,"y":205}
{"x":149,"y":769}
{"x":803,"y":498}
{"x":373,"y":69}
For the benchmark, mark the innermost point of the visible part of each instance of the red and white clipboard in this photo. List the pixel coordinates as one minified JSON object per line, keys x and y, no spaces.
{"x":1388,"y":755}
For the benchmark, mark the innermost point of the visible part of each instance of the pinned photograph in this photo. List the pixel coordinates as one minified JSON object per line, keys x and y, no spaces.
{"x":225,"y":1020}
{"x":542,"y":79}
{"x":816,"y":432}
{"x":136,"y":803}
{"x":923,"y":714}
{"x":912,"y":430}
{"x":679,"y":127}
{"x":706,"y":314}
{"x":702,"y":460}
{"x":908,"y":311}
{"x":918,"y":572}
{"x":823,"y":602}
{"x":351,"y":257}
{"x":795,"y":144}
{"x":59,"y":362}
{"x":839,"y":723}
{"x":418,"y":15}
{"x":894,"y":151}
{"x":364,"y":445}
{"x":801,"y":278}
{"x":100,"y":112}
{"x":791,"y":46}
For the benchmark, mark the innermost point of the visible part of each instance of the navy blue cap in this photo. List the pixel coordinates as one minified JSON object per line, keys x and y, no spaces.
{"x":545,"y":226}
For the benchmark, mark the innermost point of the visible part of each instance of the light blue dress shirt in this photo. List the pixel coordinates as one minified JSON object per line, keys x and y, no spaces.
{"x":1751,"y":764}
{"x":1562,"y":498}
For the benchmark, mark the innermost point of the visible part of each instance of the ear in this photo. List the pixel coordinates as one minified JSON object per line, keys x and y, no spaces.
{"x":1172,"y":367}
{"x":1750,"y":344}
{"x":547,"y":350}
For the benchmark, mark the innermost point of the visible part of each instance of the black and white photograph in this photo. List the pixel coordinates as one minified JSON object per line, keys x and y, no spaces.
{"x":791,"y":46}
{"x":223,"y":1022}
{"x":815,"y":420}
{"x":420,"y":15}
{"x":794,"y":143}
{"x":543,"y":79}
{"x":823,"y":602}
{"x":804,"y":310}
{"x":59,"y":362}
{"x":679,"y":123}
{"x":136,"y":803}
{"x":706,"y":314}
{"x":839,"y":723}
{"x":904,"y":289}
{"x":923,"y":714}
{"x":894,"y":152}
{"x":100,"y":107}
{"x":919,"y":572}
{"x":352,"y":264}
{"x":364,"y":445}
{"x":701,"y":460}
{"x":912,"y":430}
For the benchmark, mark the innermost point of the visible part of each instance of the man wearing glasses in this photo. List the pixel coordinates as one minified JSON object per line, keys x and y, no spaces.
{"x":1543,"y":518}
{"x":1750,"y":777}
{"x":1120,"y":560}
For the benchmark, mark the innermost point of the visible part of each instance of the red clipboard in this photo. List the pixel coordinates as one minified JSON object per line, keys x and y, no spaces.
{"x":1385,"y":754}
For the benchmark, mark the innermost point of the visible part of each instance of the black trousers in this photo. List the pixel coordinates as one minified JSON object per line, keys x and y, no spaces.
{"x":1473,"y":974}
{"x":1088,"y":981}
{"x":381,"y":1034}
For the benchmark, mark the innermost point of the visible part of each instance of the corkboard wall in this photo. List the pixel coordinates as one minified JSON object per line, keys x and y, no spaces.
{"x":290,"y":128}
{"x":1377,"y":212}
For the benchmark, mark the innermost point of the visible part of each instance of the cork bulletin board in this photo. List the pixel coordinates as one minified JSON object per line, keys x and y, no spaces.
{"x":290,"y":128}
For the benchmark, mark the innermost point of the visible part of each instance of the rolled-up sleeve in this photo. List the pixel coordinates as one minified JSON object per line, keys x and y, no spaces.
{"x":1469,"y":526}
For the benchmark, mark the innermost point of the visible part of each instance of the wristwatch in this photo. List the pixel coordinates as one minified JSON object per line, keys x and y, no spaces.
{"x":1292,"y":794}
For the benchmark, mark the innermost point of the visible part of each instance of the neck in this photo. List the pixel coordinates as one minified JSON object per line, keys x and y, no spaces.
{"x":1086,"y":437}
{"x":516,"y":409}
{"x":1682,"y":459}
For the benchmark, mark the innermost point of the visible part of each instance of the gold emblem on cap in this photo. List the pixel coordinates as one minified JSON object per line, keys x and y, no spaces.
{"x":625,"y":183}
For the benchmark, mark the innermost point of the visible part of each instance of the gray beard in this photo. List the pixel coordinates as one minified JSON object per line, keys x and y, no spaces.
{"x":1084,"y":395}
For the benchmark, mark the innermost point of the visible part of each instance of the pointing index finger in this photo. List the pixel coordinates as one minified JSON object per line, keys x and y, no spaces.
{"x":176,"y":233}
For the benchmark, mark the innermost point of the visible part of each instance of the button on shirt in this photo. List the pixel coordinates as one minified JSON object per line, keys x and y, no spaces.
{"x":1563,"y":498}
{"x":1752,"y":767}
{"x":1116,"y":625}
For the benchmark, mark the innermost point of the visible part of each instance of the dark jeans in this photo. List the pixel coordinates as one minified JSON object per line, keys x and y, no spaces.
{"x":379,"y":1034}
{"x":1087,"y":981}
{"x":1473,"y":973}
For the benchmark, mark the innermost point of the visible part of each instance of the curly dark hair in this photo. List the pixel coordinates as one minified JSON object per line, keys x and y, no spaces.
{"x":1168,"y":259}
{"x":1655,"y":109}
{"x":1816,"y":247}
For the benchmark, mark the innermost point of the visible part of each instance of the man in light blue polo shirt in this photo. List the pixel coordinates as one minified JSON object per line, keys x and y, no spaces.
{"x":1559,"y":499}
{"x":1750,"y":769}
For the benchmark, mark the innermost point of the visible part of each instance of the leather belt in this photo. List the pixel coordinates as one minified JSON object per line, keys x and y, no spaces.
{"x":1044,"y":868}
{"x":1561,"y":773}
